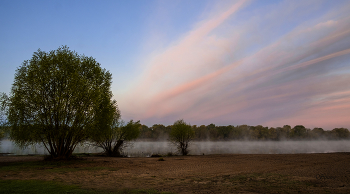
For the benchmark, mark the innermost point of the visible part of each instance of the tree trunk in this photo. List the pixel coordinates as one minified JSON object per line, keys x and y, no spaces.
{"x":115,"y":151}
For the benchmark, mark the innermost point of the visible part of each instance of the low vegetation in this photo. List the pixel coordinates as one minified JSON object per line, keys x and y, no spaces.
{"x":181,"y":135}
{"x":37,"y":186}
{"x":52,"y":187}
{"x":281,"y":173}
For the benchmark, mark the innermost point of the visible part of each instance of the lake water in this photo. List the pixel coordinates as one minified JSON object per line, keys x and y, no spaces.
{"x":146,"y":149}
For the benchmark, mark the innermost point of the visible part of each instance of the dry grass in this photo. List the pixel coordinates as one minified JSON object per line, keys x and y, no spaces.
{"x":243,"y":173}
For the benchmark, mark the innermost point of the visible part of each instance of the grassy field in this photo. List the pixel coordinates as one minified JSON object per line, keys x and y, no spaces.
{"x":282,"y":173}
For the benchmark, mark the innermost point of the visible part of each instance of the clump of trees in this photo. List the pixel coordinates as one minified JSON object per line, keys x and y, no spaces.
{"x":113,"y":136}
{"x":61,"y":99}
{"x":157,"y":132}
{"x":245,"y":132}
{"x":181,"y":135}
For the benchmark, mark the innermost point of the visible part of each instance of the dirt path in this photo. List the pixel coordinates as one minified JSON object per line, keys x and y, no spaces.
{"x":294,"y":173}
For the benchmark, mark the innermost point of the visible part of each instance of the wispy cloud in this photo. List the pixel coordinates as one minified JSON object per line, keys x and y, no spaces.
{"x":225,"y":71}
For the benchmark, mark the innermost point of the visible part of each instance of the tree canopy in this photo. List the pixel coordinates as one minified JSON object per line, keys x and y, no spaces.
{"x":245,"y":132}
{"x":113,"y":134}
{"x":56,"y":99}
{"x":181,"y":135}
{"x":3,"y":110}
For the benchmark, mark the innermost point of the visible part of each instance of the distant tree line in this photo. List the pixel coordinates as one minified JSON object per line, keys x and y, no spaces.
{"x":61,"y":99}
{"x":245,"y":132}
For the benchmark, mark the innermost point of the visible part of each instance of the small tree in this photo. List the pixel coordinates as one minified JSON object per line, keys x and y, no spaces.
{"x":56,"y":99}
{"x":113,"y":134}
{"x":181,"y":135}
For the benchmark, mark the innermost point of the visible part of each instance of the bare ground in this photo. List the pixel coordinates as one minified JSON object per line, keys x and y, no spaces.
{"x":238,"y":173}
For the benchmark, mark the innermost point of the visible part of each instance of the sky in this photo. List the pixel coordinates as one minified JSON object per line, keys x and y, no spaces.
{"x":261,"y":62}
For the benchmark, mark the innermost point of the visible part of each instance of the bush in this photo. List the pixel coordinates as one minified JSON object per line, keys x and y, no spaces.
{"x":181,"y":135}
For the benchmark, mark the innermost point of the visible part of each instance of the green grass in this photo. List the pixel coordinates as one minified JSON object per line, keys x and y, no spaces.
{"x":53,"y":166}
{"x":139,"y":191}
{"x":39,"y":165}
{"x":15,"y":166}
{"x":74,"y":169}
{"x":37,"y":186}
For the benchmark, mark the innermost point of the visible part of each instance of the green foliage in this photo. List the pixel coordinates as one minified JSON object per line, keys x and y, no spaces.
{"x":201,"y":132}
{"x":240,"y":132}
{"x":299,"y":131}
{"x":272,"y":133}
{"x":113,"y":134}
{"x":246,"y":132}
{"x":341,"y":133}
{"x":3,"y":111}
{"x":155,"y":133}
{"x":57,"y":98}
{"x":160,"y":131}
{"x":181,"y":135}
{"x":259,"y":132}
{"x":145,"y":132}
{"x":317,"y":133}
{"x":2,"y":133}
{"x":130,"y":131}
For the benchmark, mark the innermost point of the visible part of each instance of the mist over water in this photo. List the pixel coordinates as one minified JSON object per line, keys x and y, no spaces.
{"x":7,"y":146}
{"x":146,"y":148}
{"x":243,"y":147}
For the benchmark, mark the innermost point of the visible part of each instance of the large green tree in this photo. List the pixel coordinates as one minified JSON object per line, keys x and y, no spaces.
{"x":181,"y":135}
{"x":57,"y":98}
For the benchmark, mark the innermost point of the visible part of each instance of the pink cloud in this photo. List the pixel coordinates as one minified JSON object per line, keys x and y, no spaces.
{"x":168,"y":69}
{"x":328,"y":116}
{"x":192,"y":79}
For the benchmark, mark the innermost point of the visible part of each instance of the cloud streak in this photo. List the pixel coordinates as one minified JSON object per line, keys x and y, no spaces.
{"x":224,"y":71}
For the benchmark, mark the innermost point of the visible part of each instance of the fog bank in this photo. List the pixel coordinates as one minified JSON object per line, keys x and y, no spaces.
{"x":7,"y":146}
{"x":243,"y":147}
{"x":146,"y":149}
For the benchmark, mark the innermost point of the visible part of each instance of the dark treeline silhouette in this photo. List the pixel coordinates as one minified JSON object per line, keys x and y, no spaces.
{"x":244,"y":132}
